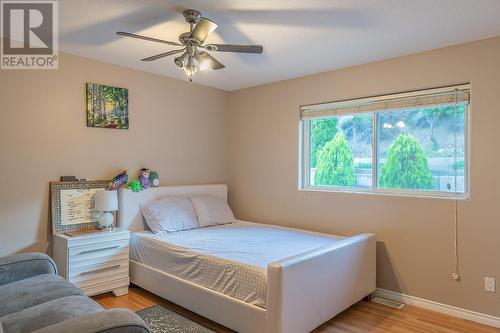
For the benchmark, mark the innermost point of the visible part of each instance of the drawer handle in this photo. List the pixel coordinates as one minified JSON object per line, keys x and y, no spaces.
{"x":100,"y":270}
{"x":97,"y":250}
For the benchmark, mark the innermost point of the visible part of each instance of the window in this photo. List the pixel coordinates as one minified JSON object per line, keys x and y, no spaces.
{"x":409,"y":144}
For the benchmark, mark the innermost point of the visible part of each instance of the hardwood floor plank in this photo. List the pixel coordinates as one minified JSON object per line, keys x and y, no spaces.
{"x":363,"y":317}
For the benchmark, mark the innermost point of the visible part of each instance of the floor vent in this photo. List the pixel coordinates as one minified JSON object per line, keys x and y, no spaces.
{"x":387,"y":302}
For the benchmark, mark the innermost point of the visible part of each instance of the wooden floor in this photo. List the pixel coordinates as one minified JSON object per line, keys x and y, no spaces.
{"x":362,"y":317}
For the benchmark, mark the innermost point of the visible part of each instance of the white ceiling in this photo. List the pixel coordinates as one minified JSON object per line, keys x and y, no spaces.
{"x":299,"y":37}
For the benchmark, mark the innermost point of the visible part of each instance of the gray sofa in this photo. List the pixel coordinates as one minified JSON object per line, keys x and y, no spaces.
{"x":33,"y":298}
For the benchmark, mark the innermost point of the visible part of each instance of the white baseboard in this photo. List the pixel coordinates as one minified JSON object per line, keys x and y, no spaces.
{"x":439,"y":307}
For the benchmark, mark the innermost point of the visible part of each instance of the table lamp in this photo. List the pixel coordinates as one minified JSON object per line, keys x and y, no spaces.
{"x":106,"y":202}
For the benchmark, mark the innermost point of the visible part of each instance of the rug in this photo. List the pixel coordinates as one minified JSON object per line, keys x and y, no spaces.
{"x":162,"y":320}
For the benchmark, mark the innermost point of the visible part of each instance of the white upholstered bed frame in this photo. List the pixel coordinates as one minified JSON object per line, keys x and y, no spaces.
{"x":303,"y":291}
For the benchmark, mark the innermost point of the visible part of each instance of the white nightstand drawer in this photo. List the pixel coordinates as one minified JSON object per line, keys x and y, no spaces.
{"x":97,"y":253}
{"x":99,"y":273}
{"x":97,"y":262}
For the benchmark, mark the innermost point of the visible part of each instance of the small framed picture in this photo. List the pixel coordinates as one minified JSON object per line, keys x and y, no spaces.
{"x":107,"y":107}
{"x":73,"y":205}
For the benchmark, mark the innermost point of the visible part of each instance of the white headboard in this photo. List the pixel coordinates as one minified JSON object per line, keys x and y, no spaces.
{"x":129,"y":212}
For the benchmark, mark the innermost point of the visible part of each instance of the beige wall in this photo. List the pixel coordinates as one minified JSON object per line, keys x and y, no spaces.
{"x":415,"y":236}
{"x":176,"y":128}
{"x":183,"y":131}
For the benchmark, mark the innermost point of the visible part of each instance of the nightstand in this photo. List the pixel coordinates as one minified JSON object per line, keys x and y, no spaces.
{"x":95,"y":262}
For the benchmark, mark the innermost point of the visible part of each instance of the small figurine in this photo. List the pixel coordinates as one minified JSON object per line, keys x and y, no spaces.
{"x":118,"y":181}
{"x":144,"y":178}
{"x":154,"y":179}
{"x":134,"y":185}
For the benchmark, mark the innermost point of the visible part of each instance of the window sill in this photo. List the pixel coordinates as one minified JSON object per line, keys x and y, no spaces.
{"x":392,"y":193}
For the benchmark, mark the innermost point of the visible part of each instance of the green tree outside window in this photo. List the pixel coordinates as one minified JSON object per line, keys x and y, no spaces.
{"x":335,"y":164}
{"x":322,"y":131}
{"x":406,"y":166}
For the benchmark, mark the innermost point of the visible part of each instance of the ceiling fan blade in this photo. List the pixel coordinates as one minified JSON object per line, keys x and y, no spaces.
{"x":151,"y":39}
{"x":214,"y":63}
{"x":235,"y":48}
{"x":202,"y":29}
{"x":162,"y":55}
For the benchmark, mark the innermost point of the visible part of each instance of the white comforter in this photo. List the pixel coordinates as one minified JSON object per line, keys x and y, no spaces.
{"x":231,"y":259}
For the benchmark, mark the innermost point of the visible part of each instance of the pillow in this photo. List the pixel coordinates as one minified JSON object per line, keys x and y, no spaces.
{"x":169,"y":214}
{"x":212,"y":210}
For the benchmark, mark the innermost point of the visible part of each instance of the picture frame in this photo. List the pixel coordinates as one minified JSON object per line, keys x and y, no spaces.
{"x":72,"y":205}
{"x":107,"y":106}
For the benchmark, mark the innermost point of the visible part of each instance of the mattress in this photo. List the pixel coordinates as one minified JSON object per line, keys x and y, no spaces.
{"x":231,"y":259}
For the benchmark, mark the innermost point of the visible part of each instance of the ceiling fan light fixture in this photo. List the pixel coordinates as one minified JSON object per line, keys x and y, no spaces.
{"x":203,"y":61}
{"x":190,"y":72}
{"x":190,"y":67}
{"x":181,"y":61}
{"x":178,"y":62}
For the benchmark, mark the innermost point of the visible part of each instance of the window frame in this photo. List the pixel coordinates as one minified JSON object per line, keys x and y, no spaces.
{"x":304,"y":159}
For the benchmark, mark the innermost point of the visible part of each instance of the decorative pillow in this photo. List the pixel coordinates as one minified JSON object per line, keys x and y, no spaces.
{"x":212,"y":210}
{"x":169,"y":214}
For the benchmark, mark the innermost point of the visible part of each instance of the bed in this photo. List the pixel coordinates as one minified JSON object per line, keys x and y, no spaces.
{"x":248,"y":276}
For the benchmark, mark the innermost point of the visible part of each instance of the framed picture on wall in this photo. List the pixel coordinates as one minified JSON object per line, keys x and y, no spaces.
{"x":72,"y":205}
{"x":107,"y":107}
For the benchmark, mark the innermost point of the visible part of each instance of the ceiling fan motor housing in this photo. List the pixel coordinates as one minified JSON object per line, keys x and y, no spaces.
{"x":192,"y":16}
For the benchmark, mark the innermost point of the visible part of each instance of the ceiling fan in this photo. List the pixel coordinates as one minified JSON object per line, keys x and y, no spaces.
{"x":194,"y":55}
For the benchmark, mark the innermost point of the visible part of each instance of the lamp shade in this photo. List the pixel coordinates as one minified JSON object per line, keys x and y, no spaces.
{"x":106,"y":201}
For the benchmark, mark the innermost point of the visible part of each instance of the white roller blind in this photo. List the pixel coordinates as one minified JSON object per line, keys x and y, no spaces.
{"x":456,"y":94}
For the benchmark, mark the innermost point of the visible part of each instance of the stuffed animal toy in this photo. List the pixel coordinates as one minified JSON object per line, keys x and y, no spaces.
{"x":144,"y":178}
{"x":118,"y":181}
{"x":154,"y":179}
{"x":134,"y":185}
